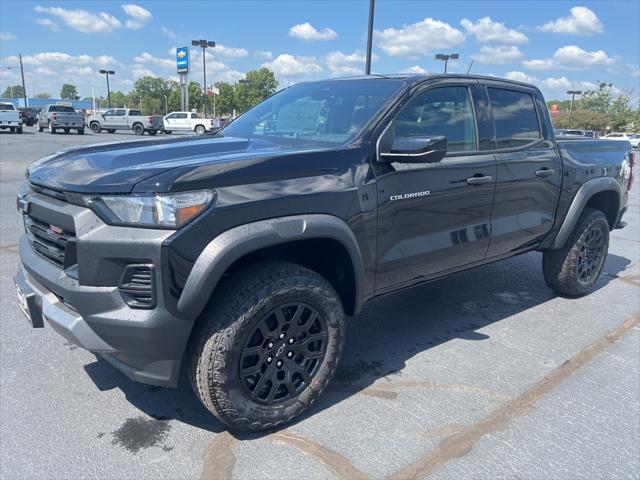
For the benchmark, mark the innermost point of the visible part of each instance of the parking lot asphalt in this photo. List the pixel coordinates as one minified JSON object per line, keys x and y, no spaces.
{"x":484,"y":374}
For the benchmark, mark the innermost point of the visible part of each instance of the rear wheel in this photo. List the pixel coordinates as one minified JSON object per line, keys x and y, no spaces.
{"x":200,"y":130}
{"x":575,"y":268}
{"x":52,"y":129}
{"x":12,"y":129}
{"x":138,"y":129}
{"x":267,"y":345}
{"x":19,"y":130}
{"x":81,"y":131}
{"x":40,"y":127}
{"x":95,"y":127}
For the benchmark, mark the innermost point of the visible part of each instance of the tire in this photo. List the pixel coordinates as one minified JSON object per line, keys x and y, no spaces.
{"x":19,"y":130}
{"x":52,"y":129}
{"x":66,"y":130}
{"x":167,"y":132}
{"x":81,"y":131}
{"x":138,"y":129}
{"x":40,"y":128}
{"x":200,"y":130}
{"x":228,"y":327}
{"x":575,"y":268}
{"x":12,"y":129}
{"x":95,"y":127}
{"x":111,"y":130}
{"x":152,"y":132}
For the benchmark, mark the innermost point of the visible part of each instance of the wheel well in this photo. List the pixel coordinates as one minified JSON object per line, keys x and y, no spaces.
{"x":325,"y":256}
{"x":607,"y":202}
{"x":199,"y":125}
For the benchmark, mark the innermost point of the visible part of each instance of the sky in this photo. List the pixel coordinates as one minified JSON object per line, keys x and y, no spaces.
{"x":557,"y":45}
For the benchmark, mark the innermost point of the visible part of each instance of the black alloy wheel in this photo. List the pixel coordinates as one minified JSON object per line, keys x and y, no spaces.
{"x":283,"y":353}
{"x":591,"y":255}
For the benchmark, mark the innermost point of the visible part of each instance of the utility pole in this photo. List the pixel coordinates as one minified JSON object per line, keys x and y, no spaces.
{"x":367,"y":69}
{"x":204,"y":44}
{"x":24,"y":89}
{"x":573,"y":94}
{"x":446,"y":58}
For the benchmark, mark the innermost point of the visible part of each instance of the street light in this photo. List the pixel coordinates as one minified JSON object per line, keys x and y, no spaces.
{"x":573,"y":94}
{"x":204,"y":44}
{"x":107,"y":73}
{"x":446,"y":58}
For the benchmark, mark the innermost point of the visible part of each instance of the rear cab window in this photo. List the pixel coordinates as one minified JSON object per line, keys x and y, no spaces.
{"x":7,"y":106}
{"x":61,"y":109}
{"x":134,"y":113}
{"x":515,"y":118}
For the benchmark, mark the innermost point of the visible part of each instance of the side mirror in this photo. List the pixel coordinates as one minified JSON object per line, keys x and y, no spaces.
{"x":427,"y":149}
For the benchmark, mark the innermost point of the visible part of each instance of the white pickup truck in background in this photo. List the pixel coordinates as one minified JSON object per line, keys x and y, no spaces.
{"x":125,"y":119}
{"x":10,"y":118}
{"x":190,"y":121}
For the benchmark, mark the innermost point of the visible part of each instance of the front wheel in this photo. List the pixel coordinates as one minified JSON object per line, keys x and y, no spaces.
{"x":95,"y":127}
{"x":138,"y":129}
{"x":200,"y":130}
{"x":267,"y":345}
{"x":575,"y":268}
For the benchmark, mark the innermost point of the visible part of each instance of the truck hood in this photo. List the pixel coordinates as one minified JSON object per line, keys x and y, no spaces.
{"x":119,"y":167}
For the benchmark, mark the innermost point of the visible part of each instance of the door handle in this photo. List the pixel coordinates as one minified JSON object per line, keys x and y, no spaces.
{"x":545,"y":172}
{"x":479,"y":180}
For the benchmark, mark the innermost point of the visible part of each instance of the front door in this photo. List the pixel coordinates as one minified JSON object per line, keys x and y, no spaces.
{"x":433,"y":217}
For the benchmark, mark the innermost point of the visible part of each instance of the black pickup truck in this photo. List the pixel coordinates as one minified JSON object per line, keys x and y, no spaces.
{"x":240,"y":256}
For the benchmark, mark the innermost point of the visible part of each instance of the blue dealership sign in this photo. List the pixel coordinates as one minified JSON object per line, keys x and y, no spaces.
{"x":182,"y":59}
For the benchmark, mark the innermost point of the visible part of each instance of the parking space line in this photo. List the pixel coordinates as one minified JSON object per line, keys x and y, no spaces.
{"x":460,"y":443}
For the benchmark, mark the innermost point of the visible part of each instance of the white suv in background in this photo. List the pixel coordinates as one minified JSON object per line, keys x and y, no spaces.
{"x":619,"y":136}
{"x":190,"y":121}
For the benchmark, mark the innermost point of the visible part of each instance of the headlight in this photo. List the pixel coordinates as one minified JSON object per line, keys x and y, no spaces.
{"x":170,"y":210}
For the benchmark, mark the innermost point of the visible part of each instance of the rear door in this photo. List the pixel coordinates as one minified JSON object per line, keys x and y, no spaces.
{"x":529,"y":169}
{"x":120,"y":118}
{"x":434,"y":217}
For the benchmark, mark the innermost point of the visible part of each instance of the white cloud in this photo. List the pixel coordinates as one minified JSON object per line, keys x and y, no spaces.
{"x":264,"y":54}
{"x":146,"y":57}
{"x":138,"y":16}
{"x":306,"y":31}
{"x":82,"y":20}
{"x":7,"y":36}
{"x":80,"y":71}
{"x":288,"y":65}
{"x":418,"y":39}
{"x":229,"y":52}
{"x":48,"y":58}
{"x":44,"y":71}
{"x":634,"y":70}
{"x":50,"y":24}
{"x":168,"y":32}
{"x":486,"y":30}
{"x":571,"y":58}
{"x":345,"y":64}
{"x":520,"y":77}
{"x":415,"y":69}
{"x":497,"y":55}
{"x":581,"y":21}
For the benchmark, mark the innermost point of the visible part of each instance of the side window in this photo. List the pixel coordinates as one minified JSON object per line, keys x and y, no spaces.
{"x":134,"y":113}
{"x":181,"y":115}
{"x":514,"y":117}
{"x":108,"y":113}
{"x":171,"y":115}
{"x":440,"y":111}
{"x":120,"y":113}
{"x":194,"y":115}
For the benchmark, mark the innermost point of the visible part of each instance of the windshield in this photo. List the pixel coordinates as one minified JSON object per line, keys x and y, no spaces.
{"x":7,"y":106}
{"x":61,"y":108}
{"x":324,"y":113}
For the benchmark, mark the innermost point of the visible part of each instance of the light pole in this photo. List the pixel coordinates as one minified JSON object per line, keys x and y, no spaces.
{"x":107,"y":73}
{"x":367,"y":69}
{"x":204,"y":44}
{"x":446,"y":58}
{"x":573,"y":94}
{"x":166,"y":106}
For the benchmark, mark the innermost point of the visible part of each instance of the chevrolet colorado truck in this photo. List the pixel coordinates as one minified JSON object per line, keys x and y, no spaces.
{"x":125,"y":119}
{"x":240,"y":256}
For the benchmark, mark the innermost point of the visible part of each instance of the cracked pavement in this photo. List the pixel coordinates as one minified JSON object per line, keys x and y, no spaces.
{"x":484,"y":374}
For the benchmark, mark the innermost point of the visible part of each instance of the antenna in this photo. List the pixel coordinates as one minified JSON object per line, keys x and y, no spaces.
{"x":470,"y":65}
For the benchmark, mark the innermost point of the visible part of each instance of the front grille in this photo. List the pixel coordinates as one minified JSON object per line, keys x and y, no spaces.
{"x":51,"y":242}
{"x":136,"y":286}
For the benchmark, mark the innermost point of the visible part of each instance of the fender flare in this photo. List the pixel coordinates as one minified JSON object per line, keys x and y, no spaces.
{"x":585,"y":192}
{"x":239,"y":241}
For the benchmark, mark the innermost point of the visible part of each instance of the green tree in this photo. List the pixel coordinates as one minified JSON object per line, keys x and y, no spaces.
{"x":225,"y":100}
{"x":195,"y":96}
{"x":620,"y":113}
{"x":14,"y":91}
{"x":42,"y":95}
{"x":582,"y":119}
{"x":119,"y":99}
{"x":255,"y":87}
{"x":597,"y":100}
{"x":148,"y":95}
{"x":69,"y":92}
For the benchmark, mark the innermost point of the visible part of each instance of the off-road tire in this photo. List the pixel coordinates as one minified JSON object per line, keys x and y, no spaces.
{"x":138,"y":129}
{"x":236,"y":307}
{"x":200,"y":130}
{"x":561,"y":267}
{"x":95,"y":127}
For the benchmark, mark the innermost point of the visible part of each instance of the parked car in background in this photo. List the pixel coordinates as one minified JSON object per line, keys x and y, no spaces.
{"x":635,"y":140}
{"x":60,"y":117}
{"x":564,"y":132}
{"x":125,"y":119}
{"x":29,"y":116}
{"x":190,"y":121}
{"x":618,"y":136}
{"x":10,"y":118}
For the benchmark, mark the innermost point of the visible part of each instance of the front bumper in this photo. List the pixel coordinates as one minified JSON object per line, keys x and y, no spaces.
{"x":84,"y":303}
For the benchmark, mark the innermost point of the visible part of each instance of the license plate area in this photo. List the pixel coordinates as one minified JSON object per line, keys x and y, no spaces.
{"x":28,"y":305}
